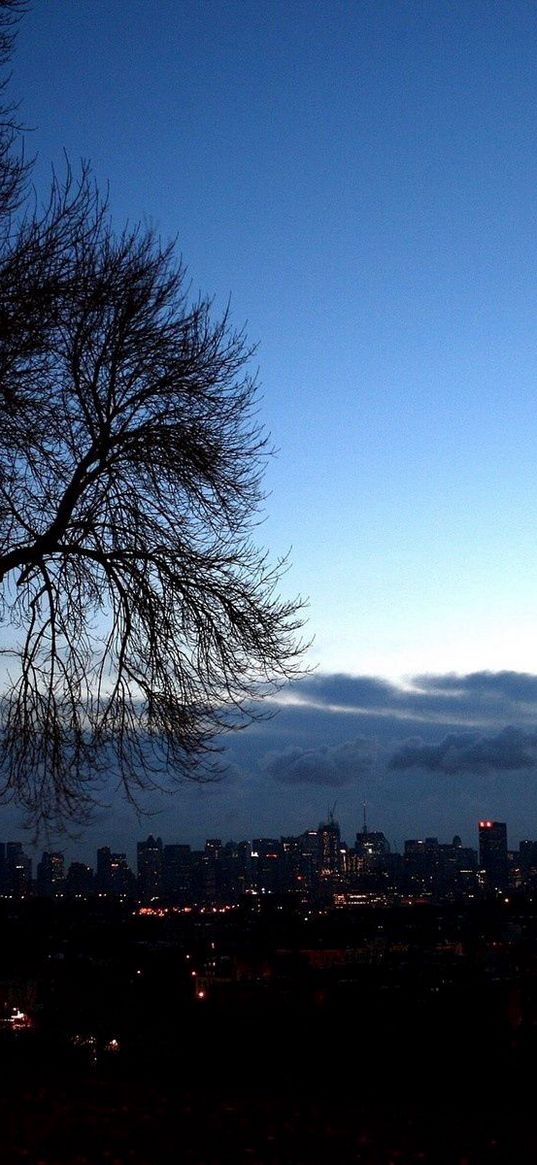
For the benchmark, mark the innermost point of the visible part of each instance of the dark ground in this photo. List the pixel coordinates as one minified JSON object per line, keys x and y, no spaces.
{"x":422,"y":1056}
{"x":301,"y":1093}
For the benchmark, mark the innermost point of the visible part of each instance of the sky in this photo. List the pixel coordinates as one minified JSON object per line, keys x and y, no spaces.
{"x":359,"y":178}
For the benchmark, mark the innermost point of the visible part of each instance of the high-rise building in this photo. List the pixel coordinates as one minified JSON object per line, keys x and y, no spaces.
{"x":329,"y":847}
{"x":113,"y":874}
{"x":50,"y":874}
{"x":422,"y":864}
{"x":177,"y":871}
{"x":79,"y":880}
{"x":458,"y":868}
{"x":493,"y":854}
{"x":310,"y":858}
{"x":149,"y":855}
{"x":235,"y":861}
{"x":102,"y":875}
{"x":371,"y":847}
{"x":527,"y":855}
{"x":18,"y":870}
{"x":267,"y":864}
{"x":213,"y":847}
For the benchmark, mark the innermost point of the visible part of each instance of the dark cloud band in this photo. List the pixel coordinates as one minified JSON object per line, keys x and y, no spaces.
{"x":507,"y":751}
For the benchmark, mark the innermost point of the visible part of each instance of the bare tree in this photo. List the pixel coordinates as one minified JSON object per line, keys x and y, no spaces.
{"x":141,"y":619}
{"x":13,"y":168}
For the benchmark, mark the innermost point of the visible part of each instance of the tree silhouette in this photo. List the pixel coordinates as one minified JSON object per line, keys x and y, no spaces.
{"x":13,"y":168}
{"x":142,"y":621}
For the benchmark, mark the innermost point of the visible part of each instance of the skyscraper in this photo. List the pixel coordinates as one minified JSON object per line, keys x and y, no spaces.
{"x":18,"y":870}
{"x":177,"y":873}
{"x":50,"y":874}
{"x":113,"y":874}
{"x":371,"y":847}
{"x":267,"y":864}
{"x":329,"y":848}
{"x":493,"y":853}
{"x":149,"y":854}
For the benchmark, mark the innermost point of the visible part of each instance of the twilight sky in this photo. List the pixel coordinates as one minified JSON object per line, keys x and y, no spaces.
{"x":360,"y":177}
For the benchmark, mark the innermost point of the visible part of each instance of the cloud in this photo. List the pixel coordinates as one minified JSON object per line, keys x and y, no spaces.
{"x":509,"y":750}
{"x":474,"y":701}
{"x":333,"y":767}
{"x":346,"y":691}
{"x":516,"y":686}
{"x":430,"y":756}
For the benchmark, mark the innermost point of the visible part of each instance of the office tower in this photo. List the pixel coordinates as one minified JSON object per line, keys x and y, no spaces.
{"x":294,"y":875}
{"x":422,"y":865}
{"x":177,"y":874}
{"x":102,"y":877}
{"x":79,"y":880}
{"x":149,"y":859}
{"x":458,"y":868}
{"x":121,"y":876}
{"x":528,"y":864}
{"x":493,"y":854}
{"x":113,"y":873}
{"x":18,"y":870}
{"x":371,"y":847}
{"x":329,"y":847}
{"x":50,"y":875}
{"x":234,"y":870}
{"x":310,"y":861}
{"x":267,"y":864}
{"x":213,"y":847}
{"x":528,"y":855}
{"x":210,"y":869}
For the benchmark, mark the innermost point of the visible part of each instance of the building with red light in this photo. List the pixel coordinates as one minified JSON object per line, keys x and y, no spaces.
{"x":493,"y":854}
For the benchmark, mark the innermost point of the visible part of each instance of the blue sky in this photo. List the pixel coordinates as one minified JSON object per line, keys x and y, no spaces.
{"x":360,"y":177}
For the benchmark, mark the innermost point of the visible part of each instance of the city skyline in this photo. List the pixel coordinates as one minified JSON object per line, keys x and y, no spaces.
{"x":76,"y":852}
{"x":318,"y":865}
{"x":268,"y":463}
{"x":432,"y":759}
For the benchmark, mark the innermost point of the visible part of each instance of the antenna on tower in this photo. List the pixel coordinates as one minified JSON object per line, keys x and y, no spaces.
{"x":331,"y":812}
{"x":365,"y":817}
